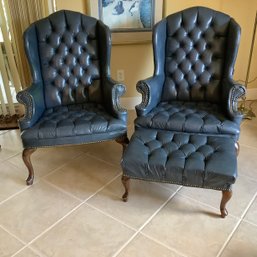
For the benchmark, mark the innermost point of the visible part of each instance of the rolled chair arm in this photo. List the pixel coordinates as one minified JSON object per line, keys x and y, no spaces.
{"x":33,"y":100}
{"x":151,"y":90}
{"x":232,"y":92}
{"x":112,"y":93}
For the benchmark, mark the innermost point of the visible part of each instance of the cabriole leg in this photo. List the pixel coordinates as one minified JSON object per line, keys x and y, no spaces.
{"x":226,"y":196}
{"x":125,"y":181}
{"x":26,"y":158}
{"x":123,"y":140}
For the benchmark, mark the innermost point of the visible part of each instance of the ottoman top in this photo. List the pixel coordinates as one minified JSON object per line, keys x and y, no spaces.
{"x":180,"y":158}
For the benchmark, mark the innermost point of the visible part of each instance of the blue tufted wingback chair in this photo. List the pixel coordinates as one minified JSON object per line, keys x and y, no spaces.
{"x":192,"y":90}
{"x":72,"y":99}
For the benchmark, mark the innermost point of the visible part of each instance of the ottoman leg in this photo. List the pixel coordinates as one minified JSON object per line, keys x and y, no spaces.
{"x":226,"y":195}
{"x":125,"y":182}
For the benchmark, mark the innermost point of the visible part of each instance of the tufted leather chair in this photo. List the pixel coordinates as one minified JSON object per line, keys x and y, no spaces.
{"x":72,"y":99}
{"x":192,"y":90}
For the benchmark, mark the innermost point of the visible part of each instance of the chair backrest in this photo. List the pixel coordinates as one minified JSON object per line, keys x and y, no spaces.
{"x":69,"y":61}
{"x":201,"y":48}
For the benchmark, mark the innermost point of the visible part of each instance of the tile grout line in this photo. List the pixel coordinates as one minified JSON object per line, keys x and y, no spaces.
{"x":110,"y":216}
{"x":13,"y":195}
{"x":36,"y":182}
{"x":206,"y":204}
{"x":36,"y":251}
{"x":61,"y":190}
{"x":117,"y":219}
{"x":8,"y":158}
{"x":164,"y":245}
{"x":101,"y":188}
{"x":61,"y":166}
{"x":250,"y":223}
{"x":49,"y":228}
{"x":146,"y":223}
{"x":61,"y":219}
{"x":99,"y":159}
{"x":10,"y":233}
{"x":246,"y":176}
{"x":236,"y":226}
{"x":17,"y":193}
{"x":229,"y":238}
{"x":13,"y":156}
{"x":248,"y":146}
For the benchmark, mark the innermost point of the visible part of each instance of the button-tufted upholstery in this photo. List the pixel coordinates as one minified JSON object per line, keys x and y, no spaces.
{"x":185,"y":159}
{"x":79,"y":121}
{"x":193,"y":117}
{"x":192,"y":88}
{"x":196,"y":44}
{"x":69,"y":58}
{"x":72,"y":99}
{"x":187,"y":124}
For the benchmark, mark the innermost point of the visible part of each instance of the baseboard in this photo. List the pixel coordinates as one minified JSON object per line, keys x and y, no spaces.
{"x":129,"y":103}
{"x":251,"y":94}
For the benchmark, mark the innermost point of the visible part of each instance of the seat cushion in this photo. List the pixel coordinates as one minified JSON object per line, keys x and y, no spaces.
{"x":192,"y":117}
{"x":73,"y":124}
{"x":180,"y":158}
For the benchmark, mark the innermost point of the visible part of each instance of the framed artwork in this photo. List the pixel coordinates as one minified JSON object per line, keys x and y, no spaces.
{"x":130,"y":21}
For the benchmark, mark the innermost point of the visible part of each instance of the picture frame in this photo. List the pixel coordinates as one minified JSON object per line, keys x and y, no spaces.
{"x":130,"y":21}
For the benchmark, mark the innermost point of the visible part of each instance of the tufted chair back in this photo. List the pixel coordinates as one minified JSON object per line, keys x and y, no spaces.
{"x":65,"y":56}
{"x":197,"y":56}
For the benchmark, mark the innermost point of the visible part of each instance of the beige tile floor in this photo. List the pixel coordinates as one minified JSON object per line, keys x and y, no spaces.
{"x":74,"y":207}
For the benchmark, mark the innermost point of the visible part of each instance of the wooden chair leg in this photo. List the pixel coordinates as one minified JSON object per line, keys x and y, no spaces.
{"x":26,"y":158}
{"x":123,"y":140}
{"x":226,"y":196}
{"x":237,"y":146}
{"x":125,"y":181}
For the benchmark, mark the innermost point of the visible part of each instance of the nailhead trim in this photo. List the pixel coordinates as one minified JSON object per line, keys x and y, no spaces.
{"x":236,"y":93}
{"x":86,"y":143}
{"x":143,"y":89}
{"x":176,"y":183}
{"x":25,"y":98}
{"x":116,"y":94}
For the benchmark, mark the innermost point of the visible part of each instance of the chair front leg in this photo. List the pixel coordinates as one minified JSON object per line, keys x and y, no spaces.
{"x":123,"y":140}
{"x":26,"y":158}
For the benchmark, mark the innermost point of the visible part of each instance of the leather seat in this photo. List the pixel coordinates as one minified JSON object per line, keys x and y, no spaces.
{"x":74,"y":123}
{"x":193,"y":117}
{"x":72,"y":99}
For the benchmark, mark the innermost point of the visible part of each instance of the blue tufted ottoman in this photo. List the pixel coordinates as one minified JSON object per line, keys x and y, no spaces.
{"x":183,"y":159}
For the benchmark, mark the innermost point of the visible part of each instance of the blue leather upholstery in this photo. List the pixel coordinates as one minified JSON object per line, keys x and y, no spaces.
{"x":194,"y":56}
{"x":192,"y":117}
{"x":72,"y":99}
{"x":188,"y":123}
{"x":74,"y":124}
{"x":179,"y":158}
